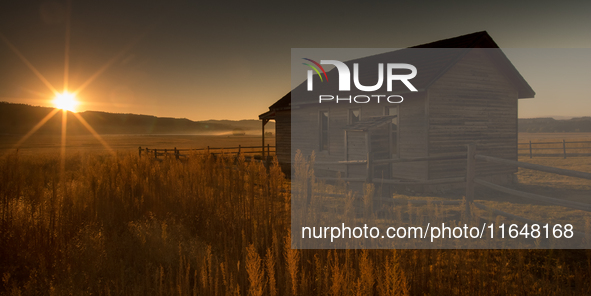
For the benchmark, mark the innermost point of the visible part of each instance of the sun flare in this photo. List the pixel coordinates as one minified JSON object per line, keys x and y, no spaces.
{"x":65,"y":101}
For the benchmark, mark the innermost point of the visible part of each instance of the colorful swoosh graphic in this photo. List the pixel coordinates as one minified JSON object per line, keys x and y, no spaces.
{"x":315,"y":69}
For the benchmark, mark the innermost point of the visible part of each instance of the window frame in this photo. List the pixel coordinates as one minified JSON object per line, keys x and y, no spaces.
{"x":350,"y":115}
{"x":397,"y":148}
{"x":321,"y":128}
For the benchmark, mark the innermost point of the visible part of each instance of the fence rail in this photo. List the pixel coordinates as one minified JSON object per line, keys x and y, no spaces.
{"x":558,"y":146}
{"x":262,"y":150}
{"x":470,"y":180}
{"x":536,"y":167}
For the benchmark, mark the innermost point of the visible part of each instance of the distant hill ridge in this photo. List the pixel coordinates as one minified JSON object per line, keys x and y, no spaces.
{"x":551,"y":125}
{"x":21,"y":118}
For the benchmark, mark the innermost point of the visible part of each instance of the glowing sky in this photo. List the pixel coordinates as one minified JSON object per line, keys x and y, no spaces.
{"x":230,"y":60}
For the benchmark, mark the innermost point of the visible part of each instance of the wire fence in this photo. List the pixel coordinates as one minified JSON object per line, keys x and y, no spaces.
{"x":470,"y":180}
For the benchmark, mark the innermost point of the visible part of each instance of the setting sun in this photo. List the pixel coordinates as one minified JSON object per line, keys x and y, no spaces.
{"x":65,"y":101}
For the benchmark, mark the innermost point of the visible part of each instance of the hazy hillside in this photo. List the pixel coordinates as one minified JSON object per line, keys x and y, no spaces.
{"x":247,"y":124}
{"x":20,"y":118}
{"x":550,"y":125}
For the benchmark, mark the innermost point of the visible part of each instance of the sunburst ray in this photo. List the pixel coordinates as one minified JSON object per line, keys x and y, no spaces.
{"x":22,"y":57}
{"x":91,"y":79}
{"x":37,"y":93}
{"x":24,"y":100}
{"x":109,"y":63}
{"x":36,"y":127}
{"x":63,"y":147}
{"x":67,"y":45}
{"x":94,"y":133}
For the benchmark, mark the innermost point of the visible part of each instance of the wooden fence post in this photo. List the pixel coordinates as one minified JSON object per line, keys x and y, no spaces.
{"x":140,"y":151}
{"x":369,"y":167}
{"x":470,"y":175}
{"x":369,"y":158}
{"x":308,"y":183}
{"x":530,"y":155}
{"x":176,"y":154}
{"x":564,"y":147}
{"x":156,"y":153}
{"x":239,"y":149}
{"x":268,"y":149}
{"x":268,"y":162}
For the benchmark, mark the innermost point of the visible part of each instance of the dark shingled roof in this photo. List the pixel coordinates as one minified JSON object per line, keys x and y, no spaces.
{"x":282,"y":103}
{"x":474,"y":40}
{"x":432,"y":60}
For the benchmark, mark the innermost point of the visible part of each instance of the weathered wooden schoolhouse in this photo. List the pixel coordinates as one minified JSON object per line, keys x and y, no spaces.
{"x":468,"y":92}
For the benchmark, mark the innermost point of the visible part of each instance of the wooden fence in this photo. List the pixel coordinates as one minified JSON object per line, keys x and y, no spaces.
{"x":255,"y":152}
{"x":532,"y":149}
{"x":470,"y":181}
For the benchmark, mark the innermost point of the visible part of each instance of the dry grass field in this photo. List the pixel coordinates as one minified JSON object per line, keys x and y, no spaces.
{"x":42,"y":144}
{"x":121,"y":225}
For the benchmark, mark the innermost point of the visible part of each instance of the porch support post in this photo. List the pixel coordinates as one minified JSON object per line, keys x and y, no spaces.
{"x":264,"y":121}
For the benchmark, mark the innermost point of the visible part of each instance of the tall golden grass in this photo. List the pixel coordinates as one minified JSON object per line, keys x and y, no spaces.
{"x":218,"y":226}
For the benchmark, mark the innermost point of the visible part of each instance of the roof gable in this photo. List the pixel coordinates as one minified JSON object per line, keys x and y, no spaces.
{"x":432,"y":64}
